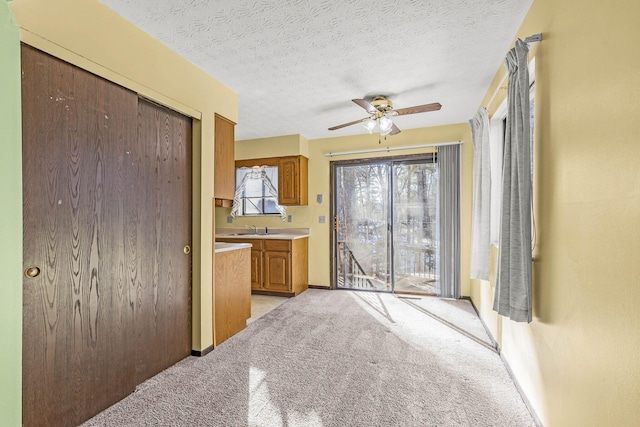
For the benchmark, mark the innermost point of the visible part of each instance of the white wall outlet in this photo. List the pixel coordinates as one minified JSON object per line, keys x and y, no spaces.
{"x":289,"y":218}
{"x":229,"y":220}
{"x":322,"y":219}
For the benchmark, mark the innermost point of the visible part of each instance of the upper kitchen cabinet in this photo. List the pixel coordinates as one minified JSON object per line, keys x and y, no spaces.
{"x":224,"y":165}
{"x":293,"y":179}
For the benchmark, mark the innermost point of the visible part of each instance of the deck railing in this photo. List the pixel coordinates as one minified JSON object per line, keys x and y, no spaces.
{"x":351,"y":274}
{"x":415,"y":261}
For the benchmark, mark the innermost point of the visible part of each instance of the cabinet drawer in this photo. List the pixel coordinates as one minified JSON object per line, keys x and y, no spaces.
{"x":277,"y":245}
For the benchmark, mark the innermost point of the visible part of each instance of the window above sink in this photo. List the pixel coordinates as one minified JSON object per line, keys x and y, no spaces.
{"x":257,"y":191}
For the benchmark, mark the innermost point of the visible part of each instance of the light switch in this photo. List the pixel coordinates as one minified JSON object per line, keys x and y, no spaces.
{"x":289,"y":218}
{"x":319,"y":198}
{"x":229,"y":219}
{"x":322,"y":219}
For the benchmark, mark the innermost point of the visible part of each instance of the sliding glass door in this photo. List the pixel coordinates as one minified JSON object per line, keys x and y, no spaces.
{"x":385,"y":234}
{"x":362,"y":230}
{"x":415,"y":226}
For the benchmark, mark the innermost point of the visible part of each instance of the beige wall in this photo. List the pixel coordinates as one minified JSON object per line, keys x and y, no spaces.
{"x":88,"y":34}
{"x":286,"y":145}
{"x":307,"y":216}
{"x":578,"y":361}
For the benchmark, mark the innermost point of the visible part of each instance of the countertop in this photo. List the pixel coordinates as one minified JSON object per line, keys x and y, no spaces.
{"x":224,"y":247}
{"x":272,"y":233}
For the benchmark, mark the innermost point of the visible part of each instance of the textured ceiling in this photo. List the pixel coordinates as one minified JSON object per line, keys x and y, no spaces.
{"x":296,"y":64}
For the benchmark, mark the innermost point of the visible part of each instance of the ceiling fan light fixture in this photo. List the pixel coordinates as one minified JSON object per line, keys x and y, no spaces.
{"x":379,"y":108}
{"x":385,"y":125}
{"x":370,"y":125}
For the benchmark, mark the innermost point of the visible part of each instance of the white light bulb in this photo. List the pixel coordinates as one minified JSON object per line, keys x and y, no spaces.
{"x":370,"y":125}
{"x":385,"y":125}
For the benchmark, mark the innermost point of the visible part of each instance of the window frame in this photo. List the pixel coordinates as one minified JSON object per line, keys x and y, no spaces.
{"x":261,"y":207}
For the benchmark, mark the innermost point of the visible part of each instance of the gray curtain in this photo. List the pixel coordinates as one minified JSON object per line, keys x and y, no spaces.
{"x":449,"y":220}
{"x":481,"y":210}
{"x":513,"y":284}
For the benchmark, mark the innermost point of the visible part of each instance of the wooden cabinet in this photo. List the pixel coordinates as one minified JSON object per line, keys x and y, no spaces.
{"x":293,"y":182}
{"x":232,"y":298}
{"x":293,"y":177}
{"x":224,"y":163}
{"x":278,"y":267}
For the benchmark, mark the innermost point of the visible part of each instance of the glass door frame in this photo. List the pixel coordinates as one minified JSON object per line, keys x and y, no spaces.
{"x":333,"y":257}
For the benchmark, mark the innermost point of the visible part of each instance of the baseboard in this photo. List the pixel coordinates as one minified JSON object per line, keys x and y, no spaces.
{"x":484,"y":325}
{"x":319,"y":287}
{"x":526,"y":401}
{"x":272,"y":293}
{"x":200,"y":353}
{"x":523,"y":396}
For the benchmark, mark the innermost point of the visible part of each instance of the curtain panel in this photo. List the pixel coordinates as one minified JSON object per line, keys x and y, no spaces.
{"x":481,"y":209}
{"x":513,"y":285}
{"x":449,"y":220}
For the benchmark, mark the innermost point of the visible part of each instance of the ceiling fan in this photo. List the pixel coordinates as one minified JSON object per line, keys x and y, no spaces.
{"x":380,"y":109}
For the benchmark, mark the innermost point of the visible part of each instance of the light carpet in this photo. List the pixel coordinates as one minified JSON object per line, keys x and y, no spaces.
{"x":336,"y":358}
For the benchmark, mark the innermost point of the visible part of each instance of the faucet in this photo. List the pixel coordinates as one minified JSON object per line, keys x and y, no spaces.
{"x":255,"y":229}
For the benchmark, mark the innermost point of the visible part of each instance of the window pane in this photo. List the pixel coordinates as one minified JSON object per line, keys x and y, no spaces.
{"x":253,"y":205}
{"x":253,"y":188}
{"x":258,"y":196}
{"x":270,"y":205}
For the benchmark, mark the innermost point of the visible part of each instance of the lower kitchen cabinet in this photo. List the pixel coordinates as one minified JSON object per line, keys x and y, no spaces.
{"x":278,"y":267}
{"x":232,"y":297}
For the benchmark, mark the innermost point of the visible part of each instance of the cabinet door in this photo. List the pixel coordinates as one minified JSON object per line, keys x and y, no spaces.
{"x":288,"y":181}
{"x":277,"y":271}
{"x":256,"y":269}
{"x":224,"y":163}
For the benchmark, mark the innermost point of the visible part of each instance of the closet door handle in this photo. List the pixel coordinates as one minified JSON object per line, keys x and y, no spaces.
{"x":32,"y":272}
{"x":187,"y":250}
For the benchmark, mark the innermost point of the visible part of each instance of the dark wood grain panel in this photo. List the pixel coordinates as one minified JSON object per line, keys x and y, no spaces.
{"x":107,"y":212}
{"x":75,"y":317}
{"x":159,"y":227}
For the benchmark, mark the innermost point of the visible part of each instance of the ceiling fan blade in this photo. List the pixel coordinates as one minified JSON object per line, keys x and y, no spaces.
{"x":418,"y":109}
{"x":366,"y":105}
{"x":394,"y":130}
{"x":349,"y":124}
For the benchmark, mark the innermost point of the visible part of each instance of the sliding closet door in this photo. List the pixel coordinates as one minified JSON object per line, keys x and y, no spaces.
{"x":77,"y":316}
{"x":158,"y":224}
{"x":107,"y":232}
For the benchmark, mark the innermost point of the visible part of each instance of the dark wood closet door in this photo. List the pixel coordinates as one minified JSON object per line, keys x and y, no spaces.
{"x":158,"y":231}
{"x":77,"y":317}
{"x":107,"y":196}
